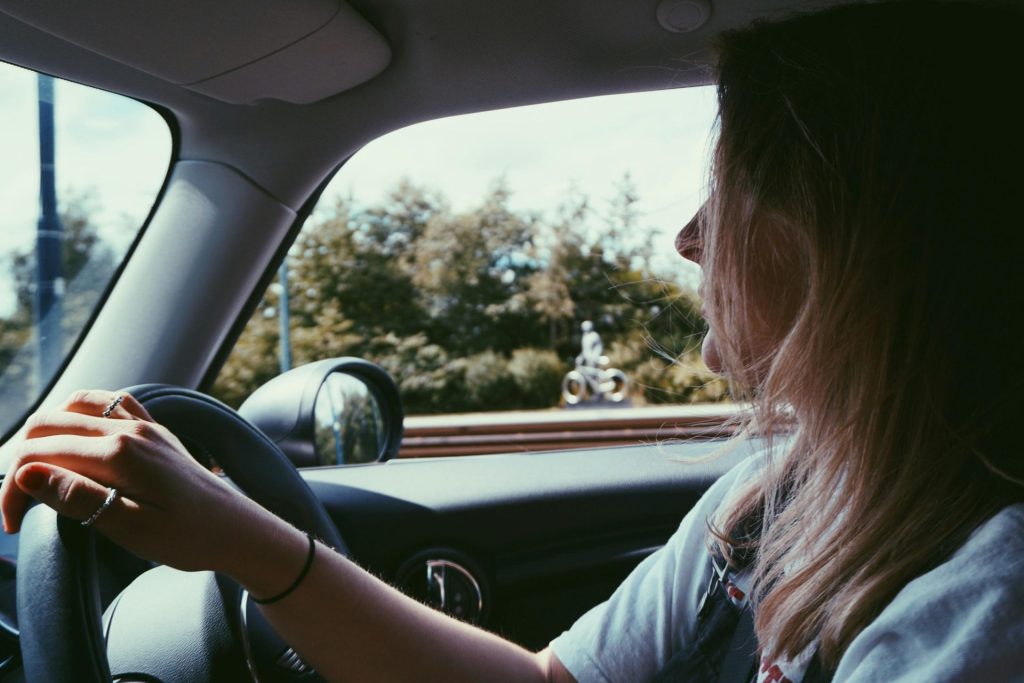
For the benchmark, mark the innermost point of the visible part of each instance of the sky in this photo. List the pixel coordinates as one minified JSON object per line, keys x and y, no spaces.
{"x":118,"y":150}
{"x":662,"y":139}
{"x":110,"y":147}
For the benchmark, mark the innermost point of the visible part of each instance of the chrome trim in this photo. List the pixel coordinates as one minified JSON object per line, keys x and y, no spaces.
{"x":246,"y":645}
{"x":291,"y":661}
{"x":436,"y":570}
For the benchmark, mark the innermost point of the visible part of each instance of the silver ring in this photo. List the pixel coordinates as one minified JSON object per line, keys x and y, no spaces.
{"x":111,"y":497}
{"x":113,"y":404}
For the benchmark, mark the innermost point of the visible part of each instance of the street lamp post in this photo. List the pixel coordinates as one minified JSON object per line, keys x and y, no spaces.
{"x":284,"y":318}
{"x":49,"y":244}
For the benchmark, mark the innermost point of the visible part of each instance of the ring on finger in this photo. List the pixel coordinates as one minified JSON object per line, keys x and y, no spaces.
{"x":111,"y":497}
{"x":113,"y":404}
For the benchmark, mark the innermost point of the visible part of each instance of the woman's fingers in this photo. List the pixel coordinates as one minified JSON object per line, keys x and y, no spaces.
{"x":75,"y":496}
{"x":13,"y":502}
{"x":89,"y":456}
{"x":169,"y":508}
{"x":92,"y":456}
{"x":56,"y":422}
{"x":95,"y":402}
{"x":134,"y":408}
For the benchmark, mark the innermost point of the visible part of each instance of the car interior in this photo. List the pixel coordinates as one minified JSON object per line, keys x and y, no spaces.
{"x":265,"y":100}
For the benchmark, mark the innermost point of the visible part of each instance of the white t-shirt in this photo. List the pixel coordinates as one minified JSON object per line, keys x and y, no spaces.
{"x":962,"y":621}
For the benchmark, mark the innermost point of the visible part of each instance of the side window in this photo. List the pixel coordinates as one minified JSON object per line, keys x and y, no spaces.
{"x":505,"y":261}
{"x":79,"y":171}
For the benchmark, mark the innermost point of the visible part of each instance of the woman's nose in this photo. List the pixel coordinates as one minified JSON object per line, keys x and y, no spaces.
{"x":689,"y":241}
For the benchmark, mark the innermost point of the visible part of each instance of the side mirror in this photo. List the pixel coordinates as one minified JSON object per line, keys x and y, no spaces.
{"x":331,"y":412}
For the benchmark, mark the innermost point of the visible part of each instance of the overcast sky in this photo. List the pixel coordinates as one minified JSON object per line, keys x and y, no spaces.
{"x":661,"y":139}
{"x":117,"y":150}
{"x":111,"y":147}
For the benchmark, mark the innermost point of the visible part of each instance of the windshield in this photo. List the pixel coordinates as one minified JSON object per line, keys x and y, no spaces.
{"x":79,"y":172}
{"x":519,"y":260}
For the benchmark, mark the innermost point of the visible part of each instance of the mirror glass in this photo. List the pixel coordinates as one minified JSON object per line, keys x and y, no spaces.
{"x":348,"y":425}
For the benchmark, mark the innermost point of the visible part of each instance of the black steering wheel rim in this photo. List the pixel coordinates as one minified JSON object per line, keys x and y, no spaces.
{"x":59,"y":612}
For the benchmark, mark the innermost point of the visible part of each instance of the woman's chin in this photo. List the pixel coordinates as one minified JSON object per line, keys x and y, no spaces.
{"x":709,"y":353}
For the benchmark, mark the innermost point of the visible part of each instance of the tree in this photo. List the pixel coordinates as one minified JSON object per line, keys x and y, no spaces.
{"x":344,"y":257}
{"x":397,"y":224}
{"x":87,"y":265}
{"x":596,"y":267}
{"x":83,"y":250}
{"x":473,"y":268}
{"x":478,"y":309}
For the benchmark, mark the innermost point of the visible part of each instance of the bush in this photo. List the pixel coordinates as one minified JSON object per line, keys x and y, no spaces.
{"x":655,"y":379}
{"x":431,"y":383}
{"x":488,"y":382}
{"x":538,"y":376}
{"x":422,"y":371}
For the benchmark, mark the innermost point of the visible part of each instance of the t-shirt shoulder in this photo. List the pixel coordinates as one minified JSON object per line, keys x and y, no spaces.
{"x":963,"y":620}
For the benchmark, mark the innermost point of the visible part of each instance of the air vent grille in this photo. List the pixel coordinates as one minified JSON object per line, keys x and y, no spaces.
{"x":446,"y":584}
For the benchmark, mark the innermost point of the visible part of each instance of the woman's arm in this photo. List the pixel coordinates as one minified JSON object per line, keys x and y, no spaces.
{"x":351,"y":626}
{"x":344,"y":622}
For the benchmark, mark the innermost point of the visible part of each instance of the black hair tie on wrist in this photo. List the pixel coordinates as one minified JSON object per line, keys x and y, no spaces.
{"x":295,"y":584}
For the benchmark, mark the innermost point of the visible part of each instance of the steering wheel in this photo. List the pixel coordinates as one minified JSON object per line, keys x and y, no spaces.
{"x":65,"y":638}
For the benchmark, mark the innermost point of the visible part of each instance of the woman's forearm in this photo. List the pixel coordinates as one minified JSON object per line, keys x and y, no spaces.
{"x":350,"y":626}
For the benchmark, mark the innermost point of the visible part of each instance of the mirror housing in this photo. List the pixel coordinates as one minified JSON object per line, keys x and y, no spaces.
{"x":285,"y":407}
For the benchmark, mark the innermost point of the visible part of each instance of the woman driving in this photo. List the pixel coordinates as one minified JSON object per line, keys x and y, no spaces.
{"x":860,"y":249}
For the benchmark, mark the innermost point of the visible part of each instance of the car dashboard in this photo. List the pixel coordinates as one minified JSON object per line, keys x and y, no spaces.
{"x":521,"y":544}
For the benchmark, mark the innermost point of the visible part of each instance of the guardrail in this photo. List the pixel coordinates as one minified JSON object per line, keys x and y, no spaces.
{"x":560,"y":429}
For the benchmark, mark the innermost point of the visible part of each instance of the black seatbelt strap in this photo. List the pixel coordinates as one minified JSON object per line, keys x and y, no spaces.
{"x":739,"y":657}
{"x":740,"y":661}
{"x":724,"y":646}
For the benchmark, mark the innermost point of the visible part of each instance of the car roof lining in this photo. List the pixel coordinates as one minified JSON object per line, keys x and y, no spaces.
{"x":298,"y":51}
{"x":447,"y":58}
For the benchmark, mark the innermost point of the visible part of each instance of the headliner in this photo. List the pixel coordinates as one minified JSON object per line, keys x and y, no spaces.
{"x":448,"y":57}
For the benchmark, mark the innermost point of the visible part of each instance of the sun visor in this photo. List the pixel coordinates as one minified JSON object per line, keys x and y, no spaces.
{"x":238,"y":51}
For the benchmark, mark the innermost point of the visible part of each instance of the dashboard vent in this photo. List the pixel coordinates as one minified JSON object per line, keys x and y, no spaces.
{"x":444,"y":580}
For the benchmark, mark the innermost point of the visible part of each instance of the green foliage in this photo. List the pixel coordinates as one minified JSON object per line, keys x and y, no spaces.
{"x":254,"y":360}
{"x":486,"y":378}
{"x":472,"y":310}
{"x":684,"y":379}
{"x":479,"y":309}
{"x":426,"y":380}
{"x":538,"y":377}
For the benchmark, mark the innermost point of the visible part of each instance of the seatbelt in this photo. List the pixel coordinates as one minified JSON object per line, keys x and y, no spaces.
{"x":739,"y":659}
{"x":724,"y":647}
{"x":740,"y":662}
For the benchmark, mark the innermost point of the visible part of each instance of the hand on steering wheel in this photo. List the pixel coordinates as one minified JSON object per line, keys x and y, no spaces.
{"x":168,"y":507}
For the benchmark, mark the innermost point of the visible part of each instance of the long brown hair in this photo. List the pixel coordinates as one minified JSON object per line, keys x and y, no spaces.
{"x":870,"y":157}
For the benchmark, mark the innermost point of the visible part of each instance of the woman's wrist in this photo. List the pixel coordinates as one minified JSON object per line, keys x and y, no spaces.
{"x":267,"y":554}
{"x":296,"y":582}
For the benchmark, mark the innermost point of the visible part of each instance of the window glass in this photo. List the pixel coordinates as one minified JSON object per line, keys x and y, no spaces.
{"x":511,"y":260}
{"x":79,"y":171}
